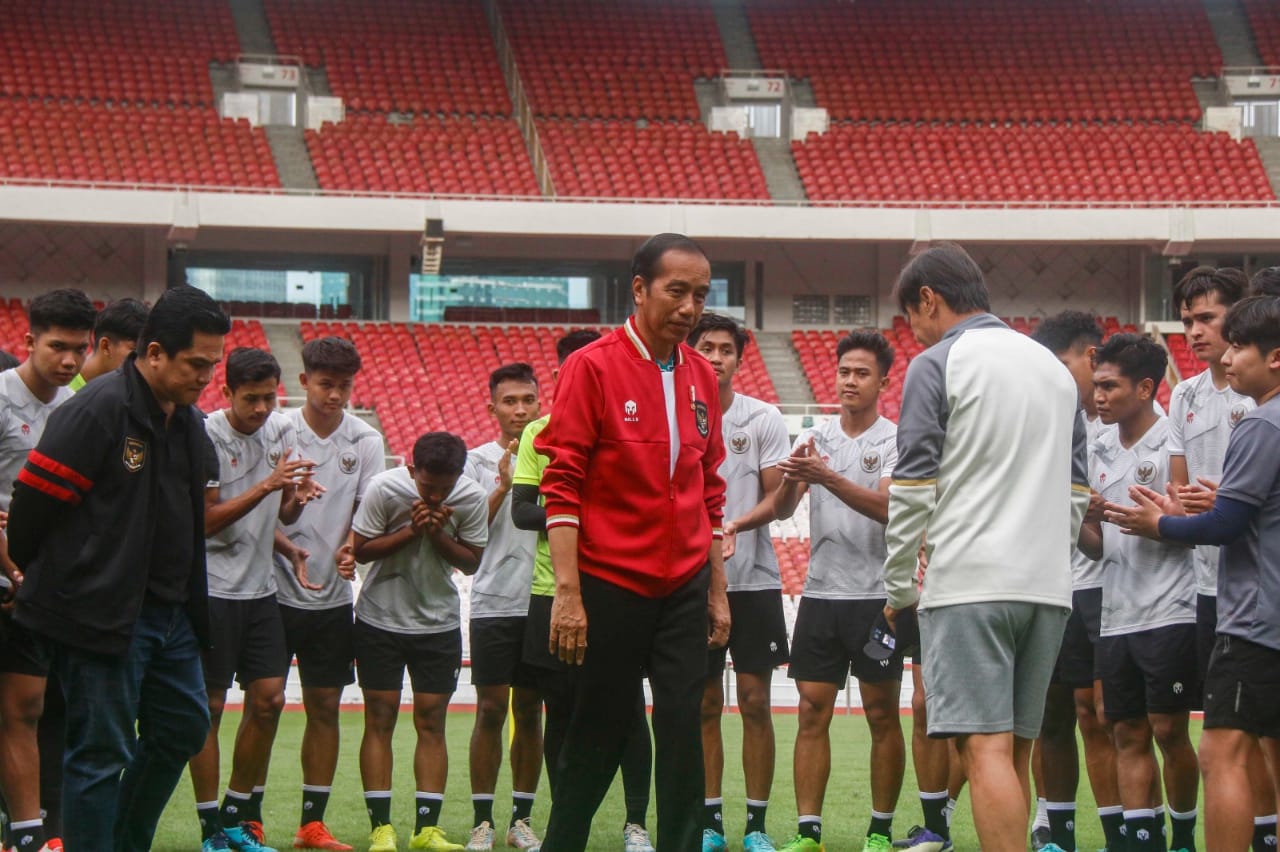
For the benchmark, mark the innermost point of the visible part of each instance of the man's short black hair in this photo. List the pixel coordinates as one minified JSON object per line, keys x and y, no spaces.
{"x":647,"y":261}
{"x":7,"y":361}
{"x":517,"y":372}
{"x":948,"y":270}
{"x":440,"y":453}
{"x":1229,"y":283}
{"x":1137,"y":356}
{"x":720,"y":322}
{"x":121,"y":321}
{"x":1254,"y":321}
{"x":331,"y":354}
{"x":873,"y":342}
{"x":1064,"y":331}
{"x":63,"y":308}
{"x":176,"y":317}
{"x":245,"y":365}
{"x":573,"y":341}
{"x":1266,"y":282}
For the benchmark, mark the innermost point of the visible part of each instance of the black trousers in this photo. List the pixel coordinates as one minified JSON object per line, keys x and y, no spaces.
{"x":627,"y":634}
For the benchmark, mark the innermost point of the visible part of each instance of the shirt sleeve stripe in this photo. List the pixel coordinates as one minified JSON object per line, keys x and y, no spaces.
{"x":562,"y":520}
{"x":57,"y":492}
{"x":57,"y":468}
{"x":911,"y":483}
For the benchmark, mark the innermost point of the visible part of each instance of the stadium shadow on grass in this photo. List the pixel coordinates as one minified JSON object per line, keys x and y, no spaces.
{"x":847,"y":808}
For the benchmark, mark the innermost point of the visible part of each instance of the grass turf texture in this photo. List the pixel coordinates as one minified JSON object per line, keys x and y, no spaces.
{"x":846,"y":812}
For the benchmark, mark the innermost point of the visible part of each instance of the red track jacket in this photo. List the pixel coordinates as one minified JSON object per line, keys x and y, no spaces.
{"x":609,"y":448}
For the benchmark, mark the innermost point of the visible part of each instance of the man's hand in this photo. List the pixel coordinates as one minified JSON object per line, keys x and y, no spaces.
{"x":288,"y":472}
{"x":1097,"y":506}
{"x":307,"y":489}
{"x":718,"y":622}
{"x":568,"y":639}
{"x":504,"y":465}
{"x":1144,"y":518}
{"x":345,"y":561}
{"x":805,"y":465}
{"x":4,"y":520}
{"x":1197,"y":499}
{"x":922,"y":559}
{"x":426,"y":519}
{"x":891,"y":615}
{"x":729,"y":540}
{"x":298,"y":559}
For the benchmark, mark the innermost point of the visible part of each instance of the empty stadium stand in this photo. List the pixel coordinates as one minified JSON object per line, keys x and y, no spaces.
{"x":453,"y":155}
{"x":154,"y":52}
{"x":433,"y":57}
{"x":1264,"y":20}
{"x":1001,"y":60}
{"x":13,"y":328}
{"x":1069,"y":163}
{"x":67,"y":140}
{"x":585,"y":59}
{"x":660,"y":160}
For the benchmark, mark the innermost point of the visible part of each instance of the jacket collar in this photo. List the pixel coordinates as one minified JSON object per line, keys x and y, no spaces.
{"x":976,"y":321}
{"x":638,"y":344}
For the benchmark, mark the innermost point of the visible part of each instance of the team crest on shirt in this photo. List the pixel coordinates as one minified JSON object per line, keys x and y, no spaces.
{"x":1191,"y":415}
{"x":1146,"y":473}
{"x":348,"y":462}
{"x":739,"y":442}
{"x":629,"y":409}
{"x":1237,"y":414}
{"x":274,"y":457}
{"x":871,"y":462}
{"x":135,"y":454}
{"x":700,"y":417}
{"x":26,"y":428}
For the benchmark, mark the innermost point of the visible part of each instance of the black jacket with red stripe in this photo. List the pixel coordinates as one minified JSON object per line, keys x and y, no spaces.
{"x":83,"y":517}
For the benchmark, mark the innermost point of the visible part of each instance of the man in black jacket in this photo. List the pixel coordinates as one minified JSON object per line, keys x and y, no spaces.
{"x":107,"y":524}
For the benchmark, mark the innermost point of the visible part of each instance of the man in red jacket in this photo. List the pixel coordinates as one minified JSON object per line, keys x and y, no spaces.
{"x":634,"y":503}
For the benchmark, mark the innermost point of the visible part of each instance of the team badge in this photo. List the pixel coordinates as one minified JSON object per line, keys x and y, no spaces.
{"x":1191,"y":415}
{"x":348,"y":462}
{"x":1146,"y":473}
{"x":1237,"y":414}
{"x":274,"y":457}
{"x":629,"y":408}
{"x":700,"y":417}
{"x":26,"y":429}
{"x":135,"y":454}
{"x":739,"y":442}
{"x":871,"y":462}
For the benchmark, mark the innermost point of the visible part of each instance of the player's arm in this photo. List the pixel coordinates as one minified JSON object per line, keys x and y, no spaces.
{"x":504,"y":480}
{"x":762,"y":513}
{"x":713,"y":490}
{"x":1090,"y":539}
{"x":913,"y":491}
{"x":372,"y":548}
{"x":56,"y":477}
{"x":527,"y":511}
{"x":774,"y":447}
{"x":786,"y":497}
{"x":220,"y":514}
{"x":809,"y":468}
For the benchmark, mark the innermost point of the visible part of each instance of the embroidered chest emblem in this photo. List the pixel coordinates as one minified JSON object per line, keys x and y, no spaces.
{"x":135,"y":454}
{"x":1237,"y":414}
{"x":700,"y":418}
{"x":274,"y":457}
{"x":348,"y":462}
{"x":739,"y":442}
{"x":1146,"y":473}
{"x":26,"y":428}
{"x":629,"y":409}
{"x":871,"y":462}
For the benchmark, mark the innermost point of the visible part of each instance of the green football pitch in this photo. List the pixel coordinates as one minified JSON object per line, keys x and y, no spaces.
{"x":846,"y":811}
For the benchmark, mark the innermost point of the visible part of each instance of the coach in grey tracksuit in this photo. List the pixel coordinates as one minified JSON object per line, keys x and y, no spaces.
{"x":991,"y":462}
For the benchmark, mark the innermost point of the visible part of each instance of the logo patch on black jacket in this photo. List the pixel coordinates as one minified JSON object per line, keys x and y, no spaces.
{"x":135,"y":454}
